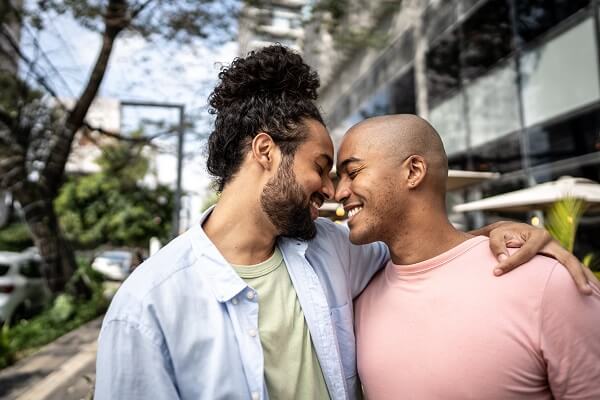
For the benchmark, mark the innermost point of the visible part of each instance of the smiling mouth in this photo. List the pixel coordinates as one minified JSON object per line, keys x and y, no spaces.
{"x":352,"y":212}
{"x":316,"y":201}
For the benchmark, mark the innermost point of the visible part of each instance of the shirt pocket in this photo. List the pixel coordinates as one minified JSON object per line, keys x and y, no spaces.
{"x":344,"y":327}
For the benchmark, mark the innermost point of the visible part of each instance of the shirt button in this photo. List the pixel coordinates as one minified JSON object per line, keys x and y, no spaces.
{"x":255,"y":396}
{"x":252,"y":332}
{"x":234,"y":301}
{"x":250,"y":295}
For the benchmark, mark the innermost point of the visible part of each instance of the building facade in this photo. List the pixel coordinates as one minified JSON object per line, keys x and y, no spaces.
{"x":274,"y":21}
{"x":512,"y":86}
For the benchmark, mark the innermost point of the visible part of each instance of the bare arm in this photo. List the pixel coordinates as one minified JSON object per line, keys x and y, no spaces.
{"x":532,"y":241}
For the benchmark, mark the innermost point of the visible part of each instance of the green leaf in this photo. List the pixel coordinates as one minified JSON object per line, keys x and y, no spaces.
{"x":562,"y":220}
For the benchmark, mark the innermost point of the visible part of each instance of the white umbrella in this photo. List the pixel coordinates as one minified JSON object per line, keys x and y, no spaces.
{"x":540,"y":197}
{"x":458,"y":179}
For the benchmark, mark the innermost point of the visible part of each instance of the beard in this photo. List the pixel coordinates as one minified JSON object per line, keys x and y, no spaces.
{"x":286,"y":205}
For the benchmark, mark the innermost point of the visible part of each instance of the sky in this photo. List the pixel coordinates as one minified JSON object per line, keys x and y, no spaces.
{"x":139,"y":70}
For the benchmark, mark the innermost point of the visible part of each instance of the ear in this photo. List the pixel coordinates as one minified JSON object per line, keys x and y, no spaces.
{"x":264,"y":149}
{"x":417,"y":169}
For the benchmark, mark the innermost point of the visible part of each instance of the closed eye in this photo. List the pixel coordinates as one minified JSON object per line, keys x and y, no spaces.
{"x":352,"y":173}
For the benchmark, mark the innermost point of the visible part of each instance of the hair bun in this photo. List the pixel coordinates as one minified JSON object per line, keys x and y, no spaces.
{"x":273,"y":71}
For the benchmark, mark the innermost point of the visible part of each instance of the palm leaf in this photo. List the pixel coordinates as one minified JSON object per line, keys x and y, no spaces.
{"x":562,"y":220}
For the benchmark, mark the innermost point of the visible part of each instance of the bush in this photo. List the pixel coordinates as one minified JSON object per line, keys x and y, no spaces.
{"x":65,"y":314}
{"x":15,"y":237}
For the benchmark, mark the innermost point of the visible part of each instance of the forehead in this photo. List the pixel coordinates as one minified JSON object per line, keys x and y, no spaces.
{"x":356,"y":144}
{"x":318,"y":140}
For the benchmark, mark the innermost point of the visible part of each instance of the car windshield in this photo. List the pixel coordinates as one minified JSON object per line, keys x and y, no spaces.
{"x":116,"y":256}
{"x":4,"y":269}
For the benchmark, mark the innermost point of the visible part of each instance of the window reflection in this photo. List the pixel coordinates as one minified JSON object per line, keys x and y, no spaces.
{"x":536,"y":17}
{"x":486,"y":38}
{"x":443,"y":68}
{"x":571,"y":138}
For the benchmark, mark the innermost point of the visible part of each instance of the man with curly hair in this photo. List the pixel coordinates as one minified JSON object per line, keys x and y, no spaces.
{"x":255,"y":301}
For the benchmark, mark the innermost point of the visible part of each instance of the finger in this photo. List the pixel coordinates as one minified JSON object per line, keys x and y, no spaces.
{"x":572,"y":264}
{"x":577,"y":271}
{"x":532,"y":245}
{"x":522,"y":255}
{"x":498,"y":245}
{"x":592,"y":280}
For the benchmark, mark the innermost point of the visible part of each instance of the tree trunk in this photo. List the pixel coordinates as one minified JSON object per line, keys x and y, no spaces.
{"x":57,"y":255}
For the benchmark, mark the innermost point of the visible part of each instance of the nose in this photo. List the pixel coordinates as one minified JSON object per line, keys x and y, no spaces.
{"x":342,"y":192}
{"x":327,"y":188}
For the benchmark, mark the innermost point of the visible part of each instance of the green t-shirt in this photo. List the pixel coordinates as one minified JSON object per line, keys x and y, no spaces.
{"x":292,"y":370}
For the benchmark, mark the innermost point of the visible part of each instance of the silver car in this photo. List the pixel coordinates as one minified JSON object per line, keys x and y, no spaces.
{"x":23,"y":289}
{"x":114,"y":264}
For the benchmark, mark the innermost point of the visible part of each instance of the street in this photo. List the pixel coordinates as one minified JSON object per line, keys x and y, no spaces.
{"x":63,"y":369}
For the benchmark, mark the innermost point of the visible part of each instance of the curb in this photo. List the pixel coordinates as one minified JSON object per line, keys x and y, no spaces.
{"x":65,"y":373}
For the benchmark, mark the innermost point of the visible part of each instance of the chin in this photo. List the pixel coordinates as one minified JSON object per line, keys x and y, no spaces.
{"x":356,"y":237}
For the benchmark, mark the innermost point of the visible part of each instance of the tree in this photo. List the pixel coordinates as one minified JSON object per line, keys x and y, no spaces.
{"x":36,"y":140}
{"x":112,"y":206}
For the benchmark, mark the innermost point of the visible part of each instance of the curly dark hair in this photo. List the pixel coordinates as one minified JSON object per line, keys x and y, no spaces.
{"x":271,"y":90}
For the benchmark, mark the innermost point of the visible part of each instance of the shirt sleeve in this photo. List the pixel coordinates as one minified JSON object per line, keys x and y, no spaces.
{"x":570,"y":338}
{"x":131,"y":364}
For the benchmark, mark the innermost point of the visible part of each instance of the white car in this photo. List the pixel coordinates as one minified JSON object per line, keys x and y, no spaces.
{"x":114,"y":264}
{"x":23,"y":289}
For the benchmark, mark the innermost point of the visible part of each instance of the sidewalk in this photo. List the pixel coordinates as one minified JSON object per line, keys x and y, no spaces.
{"x":64,"y":361}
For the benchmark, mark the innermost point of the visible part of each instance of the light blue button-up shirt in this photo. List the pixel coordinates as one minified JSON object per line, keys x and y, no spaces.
{"x":184,"y":325}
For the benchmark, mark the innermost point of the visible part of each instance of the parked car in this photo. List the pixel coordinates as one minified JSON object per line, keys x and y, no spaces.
{"x":114,"y":264}
{"x":23,"y":289}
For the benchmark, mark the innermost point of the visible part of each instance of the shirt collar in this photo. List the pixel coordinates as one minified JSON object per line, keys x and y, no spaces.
{"x":226,"y":283}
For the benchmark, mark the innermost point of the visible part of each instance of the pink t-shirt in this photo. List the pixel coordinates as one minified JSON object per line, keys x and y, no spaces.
{"x":447,"y":328}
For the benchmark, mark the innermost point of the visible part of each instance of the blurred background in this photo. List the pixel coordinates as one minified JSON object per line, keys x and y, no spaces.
{"x":103,"y":119}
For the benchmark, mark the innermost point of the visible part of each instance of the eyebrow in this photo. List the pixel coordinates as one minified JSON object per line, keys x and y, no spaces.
{"x":345,"y":163}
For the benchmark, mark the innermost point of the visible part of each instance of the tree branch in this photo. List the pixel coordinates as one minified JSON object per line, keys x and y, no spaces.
{"x":139,"y":9}
{"x":115,"y":21}
{"x":147,"y":140}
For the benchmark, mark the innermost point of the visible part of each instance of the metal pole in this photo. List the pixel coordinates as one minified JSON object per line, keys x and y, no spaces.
{"x":177,"y":200}
{"x":180,"y":136}
{"x":523,"y":131}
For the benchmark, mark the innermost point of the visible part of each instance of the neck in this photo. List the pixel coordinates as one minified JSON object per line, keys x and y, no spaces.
{"x":422,"y":235}
{"x":240,"y":229}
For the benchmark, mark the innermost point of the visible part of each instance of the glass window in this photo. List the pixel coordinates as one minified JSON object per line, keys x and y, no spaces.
{"x":560,"y":75}
{"x":536,"y":17}
{"x":487,"y":38}
{"x":442,"y":69}
{"x":31,"y":269}
{"x":402,"y":94}
{"x":4,"y":268}
{"x":493,"y":104}
{"x":447,"y":118}
{"x":575,"y":137}
{"x":500,"y":155}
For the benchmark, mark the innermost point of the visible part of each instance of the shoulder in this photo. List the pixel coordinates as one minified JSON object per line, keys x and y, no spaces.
{"x":561,"y":290}
{"x":152,"y":279}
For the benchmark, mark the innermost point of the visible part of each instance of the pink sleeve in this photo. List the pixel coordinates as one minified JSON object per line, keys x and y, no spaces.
{"x":570,"y":338}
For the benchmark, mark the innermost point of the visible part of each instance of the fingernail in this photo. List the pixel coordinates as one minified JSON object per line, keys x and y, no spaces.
{"x":502,"y":257}
{"x":497,"y":272}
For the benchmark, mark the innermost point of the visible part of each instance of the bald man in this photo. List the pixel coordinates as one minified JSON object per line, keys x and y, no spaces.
{"x":435,"y":323}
